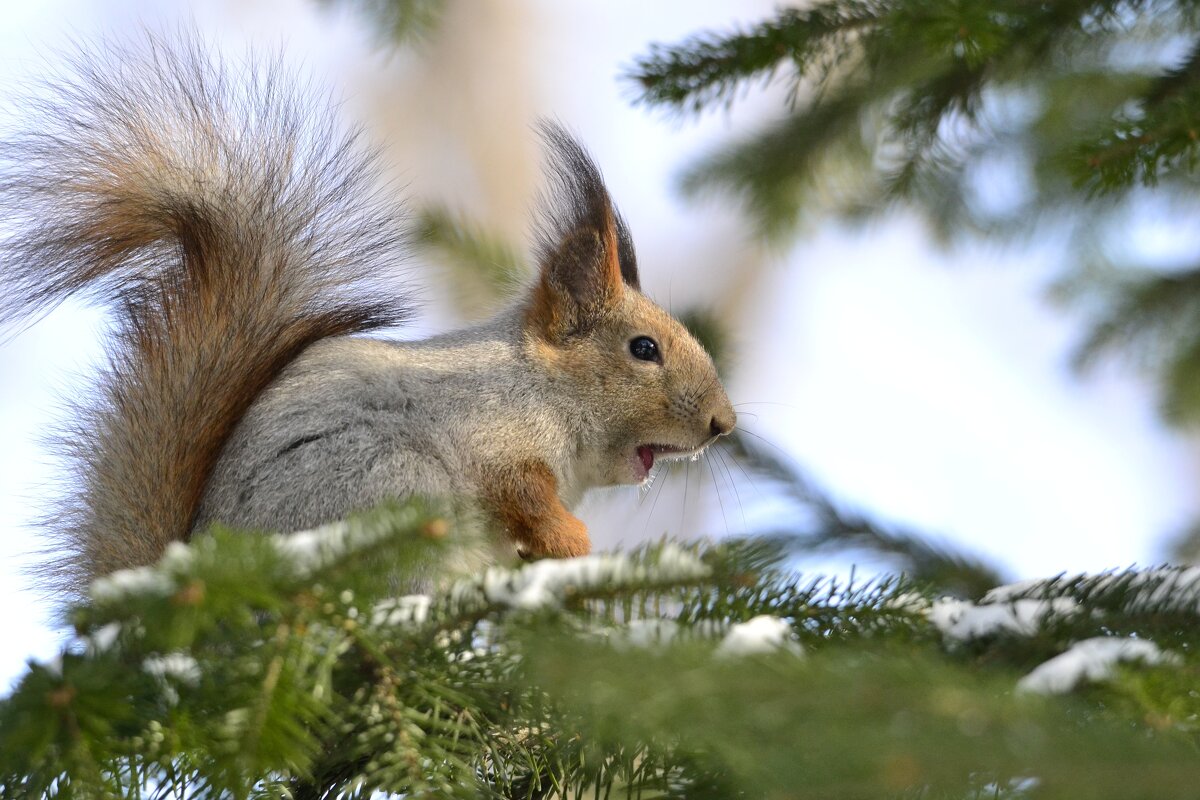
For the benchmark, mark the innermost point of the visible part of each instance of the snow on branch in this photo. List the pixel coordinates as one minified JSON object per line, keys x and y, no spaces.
{"x":761,"y":634}
{"x":1133,"y":591}
{"x":1074,"y":609}
{"x":962,"y":620}
{"x":1025,"y":608}
{"x":1092,"y":660}
{"x":304,"y":554}
{"x":156,"y":580}
{"x":315,"y":550}
{"x":548,"y":584}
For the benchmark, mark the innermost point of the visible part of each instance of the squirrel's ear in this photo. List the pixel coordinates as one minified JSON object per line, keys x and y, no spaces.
{"x":585,"y":253}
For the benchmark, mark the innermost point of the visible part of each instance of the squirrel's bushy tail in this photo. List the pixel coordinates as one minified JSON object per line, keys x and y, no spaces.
{"x":229,"y":221}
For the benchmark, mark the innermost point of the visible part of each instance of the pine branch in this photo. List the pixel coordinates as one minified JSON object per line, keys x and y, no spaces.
{"x":1156,"y":135}
{"x":708,"y":68}
{"x":1152,"y":592}
{"x":852,"y":731}
{"x":1144,"y":148}
{"x":671,"y":670}
{"x":907,"y":74}
{"x":771,"y":172}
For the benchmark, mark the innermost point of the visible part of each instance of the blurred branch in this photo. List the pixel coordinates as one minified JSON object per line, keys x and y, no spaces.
{"x":905,"y":78}
{"x":770,"y":172}
{"x":832,"y":528}
{"x":1185,"y":548}
{"x":484,"y":266}
{"x":1158,"y":317}
{"x":398,"y":21}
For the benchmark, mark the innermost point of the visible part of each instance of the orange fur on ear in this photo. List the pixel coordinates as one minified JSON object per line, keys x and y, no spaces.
{"x":580,"y":281}
{"x":525,"y":500}
{"x":611,"y":266}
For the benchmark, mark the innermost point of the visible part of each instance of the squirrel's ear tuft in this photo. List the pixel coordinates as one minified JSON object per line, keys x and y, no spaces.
{"x":584,"y":250}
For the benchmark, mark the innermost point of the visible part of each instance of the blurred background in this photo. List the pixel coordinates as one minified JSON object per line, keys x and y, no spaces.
{"x":889,"y":255}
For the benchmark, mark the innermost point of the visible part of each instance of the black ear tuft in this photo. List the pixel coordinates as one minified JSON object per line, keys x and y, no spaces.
{"x":577,"y":200}
{"x":625,"y":252}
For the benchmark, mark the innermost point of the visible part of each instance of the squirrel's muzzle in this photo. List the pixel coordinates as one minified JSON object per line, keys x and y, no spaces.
{"x":722,"y":424}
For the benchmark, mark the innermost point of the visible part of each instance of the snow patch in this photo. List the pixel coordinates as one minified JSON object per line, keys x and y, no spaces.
{"x":411,"y":609}
{"x":1014,"y":591}
{"x":135,"y":581}
{"x":962,"y":620}
{"x":54,"y":665}
{"x":1091,"y":660}
{"x":545,"y":584}
{"x":910,"y":602}
{"x":157,"y":579}
{"x":761,"y":634}
{"x":105,"y":637}
{"x":310,"y":550}
{"x":177,"y":556}
{"x":180,"y":666}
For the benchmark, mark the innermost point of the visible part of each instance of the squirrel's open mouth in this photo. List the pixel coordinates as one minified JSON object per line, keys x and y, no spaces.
{"x":647,"y":453}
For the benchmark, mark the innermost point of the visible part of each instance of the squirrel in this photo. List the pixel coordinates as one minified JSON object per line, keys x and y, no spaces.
{"x":239,"y":234}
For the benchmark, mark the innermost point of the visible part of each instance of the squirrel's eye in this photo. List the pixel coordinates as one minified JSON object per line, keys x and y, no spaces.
{"x":645,"y":349}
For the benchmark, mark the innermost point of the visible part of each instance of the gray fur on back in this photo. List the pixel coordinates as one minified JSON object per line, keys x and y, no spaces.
{"x":355,"y":421}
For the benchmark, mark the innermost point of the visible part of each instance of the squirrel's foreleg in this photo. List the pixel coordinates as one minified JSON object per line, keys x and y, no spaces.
{"x":524,"y":499}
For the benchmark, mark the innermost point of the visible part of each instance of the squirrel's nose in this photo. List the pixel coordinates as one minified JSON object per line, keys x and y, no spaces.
{"x":721,"y":424}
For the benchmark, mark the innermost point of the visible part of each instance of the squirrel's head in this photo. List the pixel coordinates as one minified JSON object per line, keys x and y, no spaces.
{"x":644,"y":386}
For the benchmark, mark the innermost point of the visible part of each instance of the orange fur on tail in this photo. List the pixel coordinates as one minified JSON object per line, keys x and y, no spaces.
{"x":228,"y":223}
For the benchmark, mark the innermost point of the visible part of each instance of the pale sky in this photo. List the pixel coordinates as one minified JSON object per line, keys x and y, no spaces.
{"x":929,"y":388}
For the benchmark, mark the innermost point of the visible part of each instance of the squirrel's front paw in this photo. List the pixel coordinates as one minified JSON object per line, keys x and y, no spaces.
{"x":564,"y":537}
{"x":524,"y":499}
